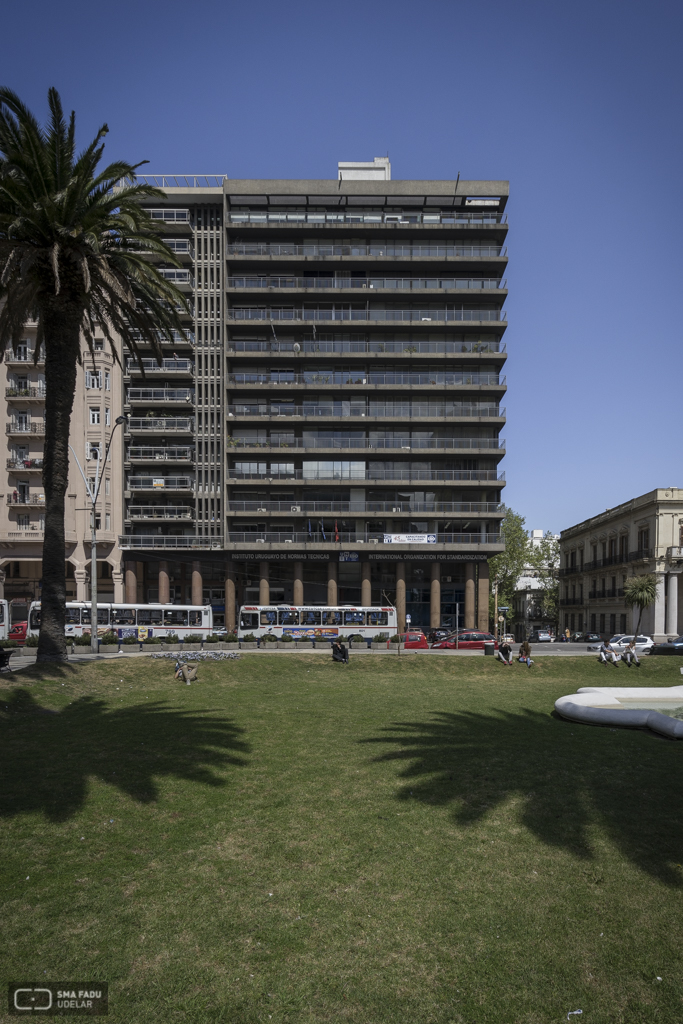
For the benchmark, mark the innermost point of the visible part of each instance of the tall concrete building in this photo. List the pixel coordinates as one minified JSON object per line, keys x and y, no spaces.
{"x":329,"y":430}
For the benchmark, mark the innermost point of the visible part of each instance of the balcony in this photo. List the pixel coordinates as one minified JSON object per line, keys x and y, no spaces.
{"x":409,"y":220}
{"x":25,"y":465}
{"x":169,"y":396}
{"x":172,"y":512}
{"x":37,"y":429}
{"x":239,"y":314}
{"x":30,"y":533}
{"x":361,"y":410}
{"x":180,"y":366}
{"x":360,"y":507}
{"x":15,"y":498}
{"x":373,"y":249}
{"x":25,"y":393}
{"x":571,"y":602}
{"x":598,"y":595}
{"x":159,"y":541}
{"x":378,"y":348}
{"x":24,"y":358}
{"x":380,"y":444}
{"x":176,"y":338}
{"x":274,"y":472}
{"x":602,"y":563}
{"x":161,"y":483}
{"x":367,"y":283}
{"x":161,"y":424}
{"x":180,"y":278}
{"x":358,"y":378}
{"x":161,"y":454}
{"x":338,"y":537}
{"x":674,"y":553}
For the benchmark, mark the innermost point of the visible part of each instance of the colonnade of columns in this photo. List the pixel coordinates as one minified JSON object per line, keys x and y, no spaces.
{"x":476,"y":589}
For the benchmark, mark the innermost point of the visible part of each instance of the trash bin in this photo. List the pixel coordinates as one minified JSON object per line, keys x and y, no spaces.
{"x":489,"y":647}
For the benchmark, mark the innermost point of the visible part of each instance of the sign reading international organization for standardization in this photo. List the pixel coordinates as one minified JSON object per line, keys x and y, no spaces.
{"x":410,"y":538}
{"x":58,"y":999}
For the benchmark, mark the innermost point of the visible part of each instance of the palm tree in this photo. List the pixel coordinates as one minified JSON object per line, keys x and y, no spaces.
{"x":640,"y":592}
{"x":74,"y":248}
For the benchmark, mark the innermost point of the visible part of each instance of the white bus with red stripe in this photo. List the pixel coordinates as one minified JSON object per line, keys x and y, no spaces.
{"x":314,"y":622}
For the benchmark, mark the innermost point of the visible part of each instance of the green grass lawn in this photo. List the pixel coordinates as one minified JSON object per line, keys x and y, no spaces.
{"x":414,"y":840}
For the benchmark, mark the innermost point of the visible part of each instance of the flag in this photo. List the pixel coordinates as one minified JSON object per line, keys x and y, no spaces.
{"x":322,"y":529}
{"x":336,"y":531}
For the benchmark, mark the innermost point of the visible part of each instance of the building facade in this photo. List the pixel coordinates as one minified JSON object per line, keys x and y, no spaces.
{"x":644,"y":535}
{"x":329,"y":429}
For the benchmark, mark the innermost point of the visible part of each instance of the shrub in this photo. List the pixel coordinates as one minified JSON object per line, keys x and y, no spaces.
{"x":249,"y":639}
{"x":287,"y":638}
{"x":269,"y":638}
{"x":381,"y":638}
{"x":82,"y":641}
{"x":231,"y":638}
{"x":395,"y":639}
{"x":31,"y":641}
{"x":171,"y":638}
{"x":130,"y":640}
{"x":153,"y":640}
{"x":8,"y":644}
{"x":344,"y":639}
{"x":193,"y":638}
{"x":212,"y":639}
{"x":110,"y":638}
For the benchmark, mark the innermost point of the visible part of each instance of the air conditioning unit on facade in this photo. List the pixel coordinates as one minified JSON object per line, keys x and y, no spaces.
{"x":261,"y":510}
{"x":296,"y":508}
{"x":396,"y":510}
{"x":448,"y":579}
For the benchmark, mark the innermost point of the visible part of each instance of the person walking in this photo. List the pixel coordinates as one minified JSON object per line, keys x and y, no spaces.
{"x":607,"y":653}
{"x":567,"y":635}
{"x":504,"y":653}
{"x":525,"y":654}
{"x":630,"y":655}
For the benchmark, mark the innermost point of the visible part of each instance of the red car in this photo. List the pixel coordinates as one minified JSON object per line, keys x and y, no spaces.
{"x":18,"y":632}
{"x":415,"y":639}
{"x":468,"y":640}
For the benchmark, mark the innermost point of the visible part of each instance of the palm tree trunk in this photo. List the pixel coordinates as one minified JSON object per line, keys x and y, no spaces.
{"x":61,"y":329}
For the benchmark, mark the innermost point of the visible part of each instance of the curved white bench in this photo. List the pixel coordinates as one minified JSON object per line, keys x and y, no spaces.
{"x":609,"y":705}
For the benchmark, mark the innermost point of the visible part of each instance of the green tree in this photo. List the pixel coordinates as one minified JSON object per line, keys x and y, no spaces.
{"x":640,"y":592}
{"x":74,"y":253}
{"x":544,"y":560}
{"x":507,"y":567}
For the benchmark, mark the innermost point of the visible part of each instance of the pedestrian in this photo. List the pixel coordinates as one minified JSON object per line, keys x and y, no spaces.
{"x":504,"y":653}
{"x":607,"y":653}
{"x":630,"y":654}
{"x":525,"y":654}
{"x":567,"y":635}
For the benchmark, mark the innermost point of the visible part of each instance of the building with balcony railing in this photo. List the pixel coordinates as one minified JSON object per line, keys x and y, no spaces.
{"x":644,"y":535}
{"x":329,"y":430}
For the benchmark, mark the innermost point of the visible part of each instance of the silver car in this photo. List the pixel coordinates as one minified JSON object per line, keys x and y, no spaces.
{"x":644,"y":644}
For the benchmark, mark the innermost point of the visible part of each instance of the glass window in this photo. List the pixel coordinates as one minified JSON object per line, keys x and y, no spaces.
{"x":269,"y":617}
{"x":35,"y":618}
{"x":73,"y":617}
{"x":149,"y":616}
{"x":94,"y":415}
{"x":378,"y":618}
{"x":310,"y":618}
{"x":196,"y":618}
{"x":289,"y":618}
{"x":332,"y":618}
{"x":123,"y":616}
{"x":354,"y":618}
{"x":249,"y":620}
{"x":102,"y":617}
{"x":175,"y":617}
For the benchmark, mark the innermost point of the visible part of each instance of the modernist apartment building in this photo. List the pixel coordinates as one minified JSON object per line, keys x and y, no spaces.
{"x":329,"y":431}
{"x":643,"y":535}
{"x":98,"y":401}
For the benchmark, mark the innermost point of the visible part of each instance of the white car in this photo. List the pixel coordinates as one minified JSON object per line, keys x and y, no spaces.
{"x":644,"y":644}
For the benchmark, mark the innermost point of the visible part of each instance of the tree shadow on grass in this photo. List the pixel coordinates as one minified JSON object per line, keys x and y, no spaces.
{"x":47,"y":757}
{"x":567,"y":779}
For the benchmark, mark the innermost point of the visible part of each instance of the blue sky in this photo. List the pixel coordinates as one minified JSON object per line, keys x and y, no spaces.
{"x":579,"y":105}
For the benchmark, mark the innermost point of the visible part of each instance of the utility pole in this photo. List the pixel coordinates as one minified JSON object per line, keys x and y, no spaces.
{"x":93,"y":494}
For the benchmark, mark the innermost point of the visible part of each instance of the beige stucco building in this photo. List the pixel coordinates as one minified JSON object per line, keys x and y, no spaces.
{"x":640,"y":536}
{"x":97,"y":403}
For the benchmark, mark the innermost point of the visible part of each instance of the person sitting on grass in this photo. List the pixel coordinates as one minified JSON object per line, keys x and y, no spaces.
{"x":607,"y":653}
{"x":504,"y":653}
{"x":339,"y":652}
{"x":630,"y":655}
{"x":525,"y":654}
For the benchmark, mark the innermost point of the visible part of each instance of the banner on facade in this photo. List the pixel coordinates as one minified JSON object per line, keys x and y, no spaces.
{"x":410,"y":538}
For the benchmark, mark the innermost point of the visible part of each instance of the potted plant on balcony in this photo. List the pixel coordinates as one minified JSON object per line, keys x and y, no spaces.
{"x":249,"y":642}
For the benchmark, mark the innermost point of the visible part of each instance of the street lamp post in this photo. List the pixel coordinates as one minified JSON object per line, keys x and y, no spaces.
{"x":93,"y":494}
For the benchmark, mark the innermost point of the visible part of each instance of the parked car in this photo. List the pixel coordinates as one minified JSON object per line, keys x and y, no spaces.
{"x":644,"y":644}
{"x":467,"y":640}
{"x":670,"y":647}
{"x":18,"y":632}
{"x":414,"y":640}
{"x":507,"y":638}
{"x":588,"y":638}
{"x":441,"y":633}
{"x":540,"y":636}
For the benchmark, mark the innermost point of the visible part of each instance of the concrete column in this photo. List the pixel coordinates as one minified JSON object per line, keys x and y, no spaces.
{"x":119,"y":589}
{"x":164,"y":584}
{"x":230,"y":597}
{"x":469,"y":595}
{"x":130,"y":577}
{"x":298,"y":588}
{"x":401,"y":596}
{"x":672,"y":606}
{"x":658,"y":632}
{"x":332,"y":584}
{"x":81,"y":577}
{"x":365,"y":584}
{"x":197,"y":584}
{"x":264,"y":583}
{"x":483,"y":597}
{"x":140,"y":570}
{"x":435,"y":596}
{"x":3,"y":575}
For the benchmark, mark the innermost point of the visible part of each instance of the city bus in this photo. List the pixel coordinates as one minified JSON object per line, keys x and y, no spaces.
{"x":315,"y":622}
{"x":131,"y":620}
{"x":4,"y":620}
